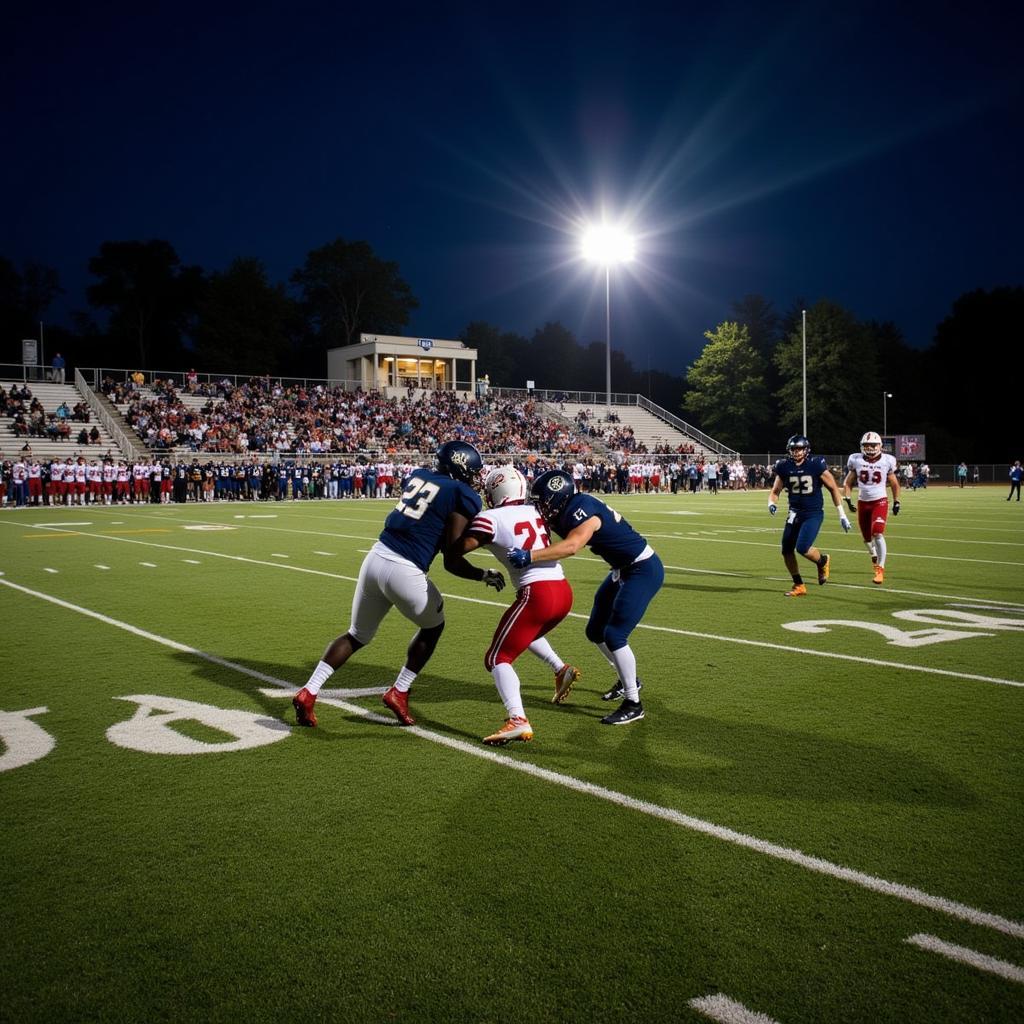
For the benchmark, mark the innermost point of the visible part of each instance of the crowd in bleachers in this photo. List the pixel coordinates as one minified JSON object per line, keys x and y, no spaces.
{"x":261,"y":415}
{"x":30,"y":419}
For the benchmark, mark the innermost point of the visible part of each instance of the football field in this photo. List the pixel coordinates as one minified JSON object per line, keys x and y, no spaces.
{"x":821,"y":818}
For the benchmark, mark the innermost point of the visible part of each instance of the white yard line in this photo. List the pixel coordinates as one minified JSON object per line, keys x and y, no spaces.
{"x":787,"y":648}
{"x":971,"y":957}
{"x":283,"y":689}
{"x":727,"y":1011}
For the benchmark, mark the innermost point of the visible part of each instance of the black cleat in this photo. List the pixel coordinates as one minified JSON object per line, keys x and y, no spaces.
{"x":628,"y":711}
{"x":824,"y":569}
{"x":618,"y":691}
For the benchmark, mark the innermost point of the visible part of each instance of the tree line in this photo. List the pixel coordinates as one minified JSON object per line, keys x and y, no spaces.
{"x":149,"y":310}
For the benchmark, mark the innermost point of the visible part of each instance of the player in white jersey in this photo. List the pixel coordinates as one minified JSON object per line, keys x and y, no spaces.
{"x":872,"y":470}
{"x":543,"y":597}
{"x":109,"y":476}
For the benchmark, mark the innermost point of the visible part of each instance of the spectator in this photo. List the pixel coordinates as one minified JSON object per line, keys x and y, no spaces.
{"x":57,"y":375}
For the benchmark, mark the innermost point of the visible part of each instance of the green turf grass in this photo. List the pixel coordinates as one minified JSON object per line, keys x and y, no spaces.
{"x":358,"y":872}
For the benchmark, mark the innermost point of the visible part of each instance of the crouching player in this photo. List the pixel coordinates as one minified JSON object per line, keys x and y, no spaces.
{"x":872,"y":470}
{"x":543,"y":597}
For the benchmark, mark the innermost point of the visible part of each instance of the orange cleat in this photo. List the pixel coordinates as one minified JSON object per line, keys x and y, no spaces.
{"x":879,"y":576}
{"x":799,"y":590}
{"x":303,"y":703}
{"x":565,"y":677}
{"x":398,"y":702}
{"x":513,"y":729}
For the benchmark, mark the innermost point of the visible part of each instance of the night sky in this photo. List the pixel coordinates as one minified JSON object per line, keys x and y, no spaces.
{"x":864,"y":156}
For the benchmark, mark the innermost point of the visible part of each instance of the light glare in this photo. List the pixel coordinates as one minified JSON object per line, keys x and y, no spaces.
{"x":606,"y":244}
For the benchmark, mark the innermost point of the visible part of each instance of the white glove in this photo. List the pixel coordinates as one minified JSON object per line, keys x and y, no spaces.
{"x":844,"y":523}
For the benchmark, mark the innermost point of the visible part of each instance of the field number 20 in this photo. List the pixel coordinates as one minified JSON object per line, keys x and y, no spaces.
{"x":983,"y":625}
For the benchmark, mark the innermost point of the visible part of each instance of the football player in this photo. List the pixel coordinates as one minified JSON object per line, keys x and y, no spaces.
{"x":803,"y":476}
{"x":872,"y":470}
{"x":434,"y":510}
{"x":621,"y":600}
{"x":543,"y":597}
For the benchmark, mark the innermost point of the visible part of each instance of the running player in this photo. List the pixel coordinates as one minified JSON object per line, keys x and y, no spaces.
{"x":872,"y":470}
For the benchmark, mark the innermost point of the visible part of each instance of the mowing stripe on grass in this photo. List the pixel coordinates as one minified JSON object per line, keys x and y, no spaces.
{"x":971,"y":957}
{"x":727,"y":1011}
{"x":788,"y":648}
{"x":281,"y":688}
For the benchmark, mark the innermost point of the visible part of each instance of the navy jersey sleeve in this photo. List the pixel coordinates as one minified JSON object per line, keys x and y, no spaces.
{"x":615,"y":541}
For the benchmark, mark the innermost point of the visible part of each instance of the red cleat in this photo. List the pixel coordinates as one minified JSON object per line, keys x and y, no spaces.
{"x":398,"y":702}
{"x":303,"y":703}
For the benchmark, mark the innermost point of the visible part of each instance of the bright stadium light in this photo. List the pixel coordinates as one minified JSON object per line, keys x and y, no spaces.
{"x":606,"y":245}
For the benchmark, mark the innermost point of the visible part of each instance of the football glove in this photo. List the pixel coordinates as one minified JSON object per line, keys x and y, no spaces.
{"x":896,"y":507}
{"x":844,"y":523}
{"x":493,"y":578}
{"x":519,"y":557}
{"x":851,"y":504}
{"x":772,"y":508}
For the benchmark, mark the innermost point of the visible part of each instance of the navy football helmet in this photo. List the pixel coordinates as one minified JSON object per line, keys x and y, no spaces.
{"x":552,"y":491}
{"x":461,"y":461}
{"x":798,"y":443}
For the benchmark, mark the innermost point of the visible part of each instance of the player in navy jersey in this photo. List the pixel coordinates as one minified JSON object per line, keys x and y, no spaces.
{"x":803,"y":475}
{"x":620,"y":602}
{"x":433,"y":512}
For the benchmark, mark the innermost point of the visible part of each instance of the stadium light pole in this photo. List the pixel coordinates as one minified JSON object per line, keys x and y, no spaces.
{"x":804,"y":371}
{"x":607,"y":246}
{"x":886,"y":395}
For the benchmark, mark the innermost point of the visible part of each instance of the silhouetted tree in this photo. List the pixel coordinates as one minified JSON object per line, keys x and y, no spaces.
{"x":246,"y":324}
{"x":346,"y":290}
{"x":151,"y":298}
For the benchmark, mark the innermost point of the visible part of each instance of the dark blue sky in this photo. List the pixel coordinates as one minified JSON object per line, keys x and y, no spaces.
{"x":793,"y":150}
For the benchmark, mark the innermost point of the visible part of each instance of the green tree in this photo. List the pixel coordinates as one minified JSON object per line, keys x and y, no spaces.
{"x":151,"y":298}
{"x":245,"y":322}
{"x":843,"y":385}
{"x":346,"y":290}
{"x":728,"y":396}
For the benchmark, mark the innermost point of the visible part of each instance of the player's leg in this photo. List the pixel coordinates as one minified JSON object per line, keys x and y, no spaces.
{"x":600,"y":613}
{"x":789,"y":538}
{"x":879,"y":515}
{"x":415,"y":595}
{"x":369,"y":606}
{"x":638,"y":585}
{"x":516,"y":627}
{"x":805,"y":538}
{"x":553,"y":601}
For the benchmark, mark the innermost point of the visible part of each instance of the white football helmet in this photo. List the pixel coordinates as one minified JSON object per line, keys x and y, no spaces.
{"x":871,"y":445}
{"x":505,"y":485}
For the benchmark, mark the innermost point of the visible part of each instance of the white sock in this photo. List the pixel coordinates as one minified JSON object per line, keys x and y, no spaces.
{"x":320,"y":675}
{"x":880,"y":548}
{"x":603,"y":648}
{"x":870,"y":545}
{"x":546,"y":653}
{"x":403,"y":684}
{"x":625,"y":664}
{"x":507,"y":682}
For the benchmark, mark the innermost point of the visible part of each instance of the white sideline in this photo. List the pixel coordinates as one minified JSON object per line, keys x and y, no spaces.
{"x":971,"y":957}
{"x":281,"y":688}
{"x":727,"y":1011}
{"x":788,"y":648}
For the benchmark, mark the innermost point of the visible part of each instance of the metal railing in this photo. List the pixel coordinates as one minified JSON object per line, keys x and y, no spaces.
{"x":674,"y":421}
{"x":132,"y":449}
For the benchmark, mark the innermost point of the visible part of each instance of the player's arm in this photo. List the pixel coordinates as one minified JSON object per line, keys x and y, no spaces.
{"x":848,"y":489}
{"x":893,"y":481}
{"x":773,"y":498}
{"x":469,"y":541}
{"x":578,"y":537}
{"x":455,"y":558}
{"x":829,"y":481}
